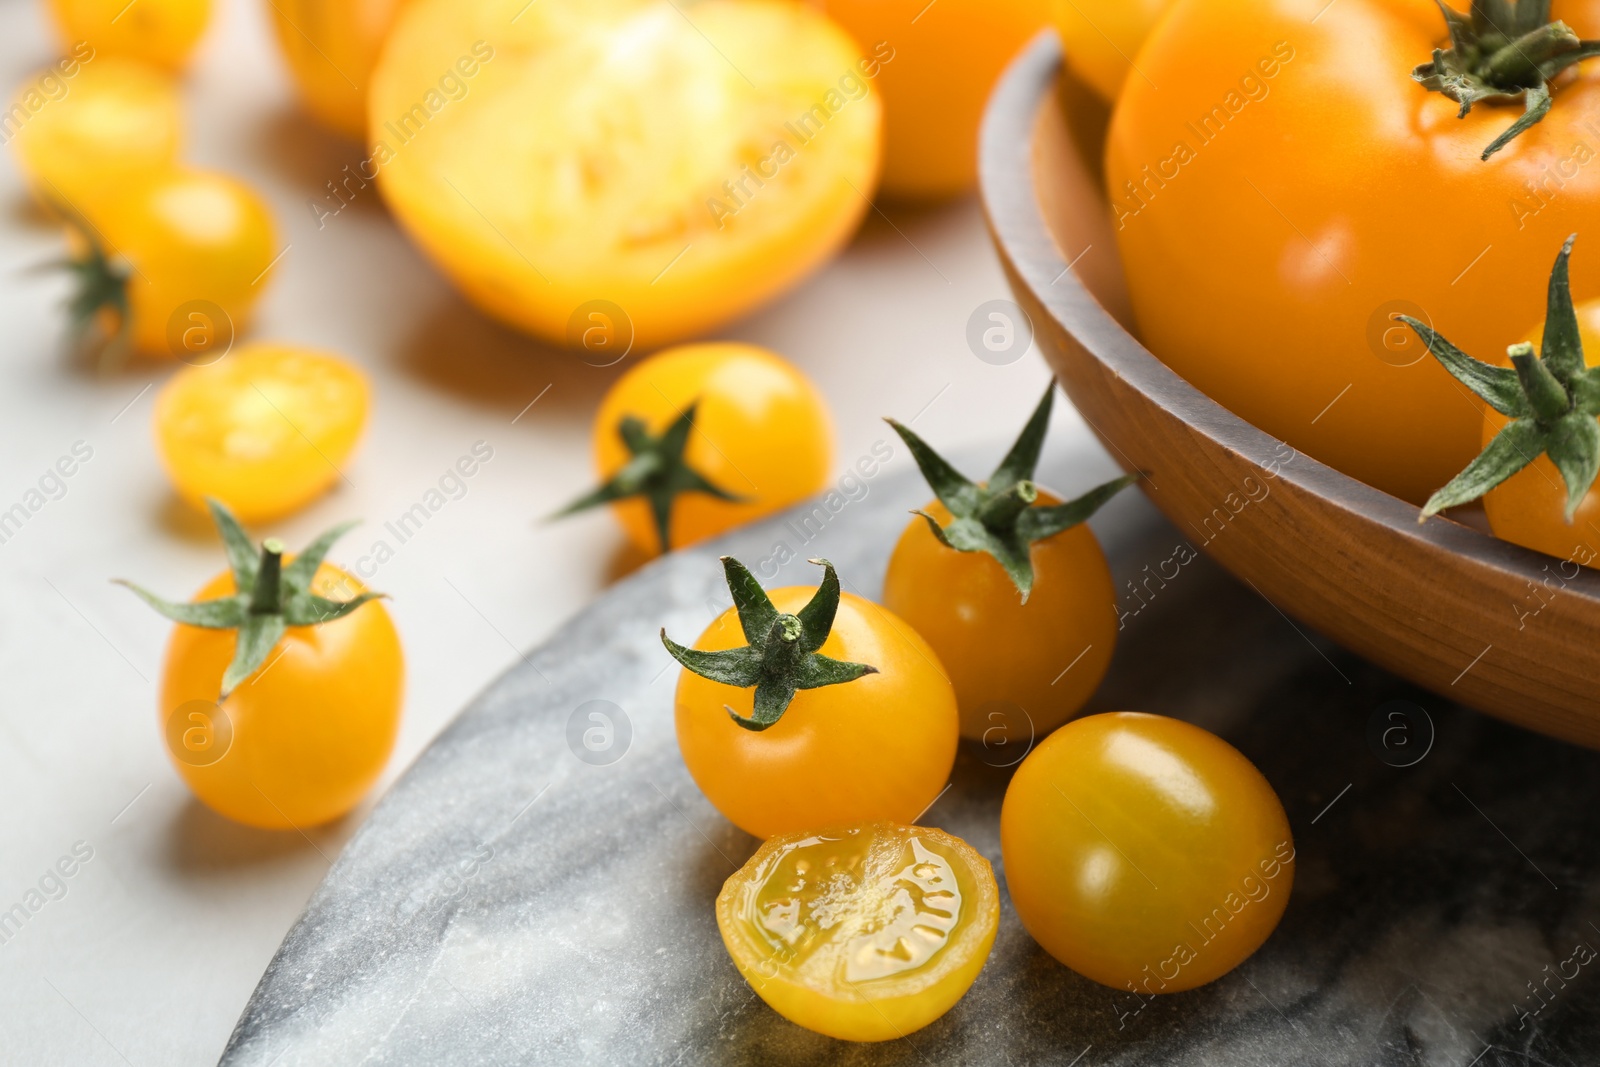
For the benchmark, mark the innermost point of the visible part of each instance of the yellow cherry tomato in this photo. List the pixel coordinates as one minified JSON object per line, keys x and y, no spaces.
{"x":308,"y":734}
{"x":878,"y":748}
{"x":1101,"y":38}
{"x":84,"y":129}
{"x":937,"y":64}
{"x":331,"y":47}
{"x":761,"y":434}
{"x":682,"y":162}
{"x":194,"y":248}
{"x":1530,"y":509}
{"x":1020,"y":669}
{"x":1145,"y":853}
{"x":865,"y":933}
{"x":266,"y":430}
{"x":157,"y":31}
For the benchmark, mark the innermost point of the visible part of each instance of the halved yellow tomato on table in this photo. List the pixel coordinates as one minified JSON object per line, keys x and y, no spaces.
{"x":866,"y":933}
{"x":681,"y":162}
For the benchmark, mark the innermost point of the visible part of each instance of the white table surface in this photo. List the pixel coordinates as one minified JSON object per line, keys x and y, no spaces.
{"x":151,"y":954}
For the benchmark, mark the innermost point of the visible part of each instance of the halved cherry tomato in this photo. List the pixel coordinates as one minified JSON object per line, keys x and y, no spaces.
{"x":179,"y":251}
{"x":866,"y":933}
{"x":1145,"y":853}
{"x":280,"y":708}
{"x":331,"y":47}
{"x":88,"y":133}
{"x":156,"y":31}
{"x":1100,"y":38}
{"x":265,"y":431}
{"x":937,"y":64}
{"x":684,"y":162}
{"x":874,"y":743}
{"x":758,"y":439}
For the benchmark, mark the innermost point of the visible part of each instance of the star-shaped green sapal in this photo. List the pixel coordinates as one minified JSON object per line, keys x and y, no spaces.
{"x":781,"y":658}
{"x":1503,"y":50}
{"x":269,"y":597}
{"x":1551,"y":399}
{"x":657,"y":472}
{"x":1000,"y":517}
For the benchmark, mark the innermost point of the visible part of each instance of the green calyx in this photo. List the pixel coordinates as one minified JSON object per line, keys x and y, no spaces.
{"x":1552,"y":400}
{"x":781,"y":658}
{"x":1001,"y":517}
{"x":657,"y":471}
{"x":268,"y":597}
{"x":1503,"y":50}
{"x":100,"y":283}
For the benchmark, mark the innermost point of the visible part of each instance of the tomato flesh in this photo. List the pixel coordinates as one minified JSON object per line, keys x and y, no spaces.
{"x":866,"y":933}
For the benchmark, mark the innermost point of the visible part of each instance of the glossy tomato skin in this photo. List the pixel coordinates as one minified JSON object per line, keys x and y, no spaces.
{"x":863,"y":933}
{"x":331,"y":47}
{"x":1530,"y":509}
{"x":200,"y":244}
{"x":1145,"y":853}
{"x":163,"y":32}
{"x":93,"y":130}
{"x":762,"y":432}
{"x":265,"y":431}
{"x":876,"y":749}
{"x":683,"y":170}
{"x":311,"y":730}
{"x":1100,"y":39}
{"x":1281,"y":222}
{"x":938,"y":64}
{"x":1019,"y":669}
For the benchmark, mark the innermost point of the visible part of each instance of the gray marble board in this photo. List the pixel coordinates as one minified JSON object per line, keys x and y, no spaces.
{"x":509,"y":902}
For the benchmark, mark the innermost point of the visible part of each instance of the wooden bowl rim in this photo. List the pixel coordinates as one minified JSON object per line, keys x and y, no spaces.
{"x":1006,"y":174}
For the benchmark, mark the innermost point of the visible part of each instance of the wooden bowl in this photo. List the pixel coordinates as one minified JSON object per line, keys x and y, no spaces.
{"x":1489,"y":624}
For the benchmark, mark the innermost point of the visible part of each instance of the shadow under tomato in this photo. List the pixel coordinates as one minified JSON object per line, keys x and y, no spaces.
{"x":290,"y":143}
{"x":200,"y":842}
{"x":459,"y":349}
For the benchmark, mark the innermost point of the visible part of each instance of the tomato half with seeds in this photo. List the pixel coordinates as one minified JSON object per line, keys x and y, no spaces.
{"x":813,"y":708}
{"x":936,"y":64}
{"x":163,"y":32}
{"x":265,"y":431}
{"x":1281,"y":185}
{"x":1144,"y":852}
{"x":684,"y":162}
{"x":702,"y":438}
{"x":92,"y":127}
{"x":866,"y":933}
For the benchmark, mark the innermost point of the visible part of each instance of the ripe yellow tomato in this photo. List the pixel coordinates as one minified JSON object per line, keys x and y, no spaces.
{"x":91,"y":127}
{"x":1145,"y":853}
{"x":685,"y":162}
{"x":1530,"y":508}
{"x":1100,"y":38}
{"x":939,"y":62}
{"x":265,"y":431}
{"x":1265,"y":261}
{"x":193,"y":249}
{"x":865,"y":933}
{"x":1020,"y":668}
{"x":761,"y":433}
{"x":331,"y":47}
{"x":308,"y":733}
{"x":157,"y":31}
{"x":878,"y":748}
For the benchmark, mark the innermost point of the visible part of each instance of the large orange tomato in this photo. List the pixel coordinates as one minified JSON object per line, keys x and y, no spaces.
{"x":1281,"y":186}
{"x":939,"y":62}
{"x":331,"y":47}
